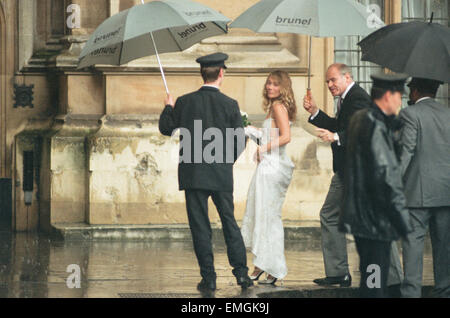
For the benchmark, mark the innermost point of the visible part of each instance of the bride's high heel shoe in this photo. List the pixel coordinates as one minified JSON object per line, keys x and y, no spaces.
{"x":268,"y":281}
{"x":256,"y":277}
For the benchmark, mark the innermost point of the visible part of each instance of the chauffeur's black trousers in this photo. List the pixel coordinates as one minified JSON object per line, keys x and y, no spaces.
{"x":197,"y":209}
{"x":374,"y":261}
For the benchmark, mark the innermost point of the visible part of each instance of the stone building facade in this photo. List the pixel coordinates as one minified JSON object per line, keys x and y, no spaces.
{"x":91,"y":136}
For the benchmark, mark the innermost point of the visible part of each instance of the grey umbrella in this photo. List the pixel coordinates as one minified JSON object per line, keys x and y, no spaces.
{"x":151,"y":28}
{"x":419,"y":49}
{"x":321,"y":18}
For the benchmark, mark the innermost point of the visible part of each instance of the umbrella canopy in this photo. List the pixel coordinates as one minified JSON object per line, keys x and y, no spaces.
{"x":419,"y":49}
{"x":321,"y":18}
{"x":157,"y":26}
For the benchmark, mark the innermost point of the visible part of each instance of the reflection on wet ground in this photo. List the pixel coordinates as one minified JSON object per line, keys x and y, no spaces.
{"x":33,"y":265}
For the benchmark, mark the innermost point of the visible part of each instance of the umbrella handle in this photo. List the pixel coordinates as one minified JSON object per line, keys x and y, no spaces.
{"x":308,"y":94}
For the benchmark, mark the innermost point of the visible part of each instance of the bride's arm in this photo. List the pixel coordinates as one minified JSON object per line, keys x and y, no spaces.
{"x":281,"y":118}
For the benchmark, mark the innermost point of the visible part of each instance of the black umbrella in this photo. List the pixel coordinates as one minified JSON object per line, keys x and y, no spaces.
{"x":419,"y":49}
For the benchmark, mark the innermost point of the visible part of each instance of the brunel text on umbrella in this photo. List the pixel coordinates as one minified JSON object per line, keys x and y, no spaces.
{"x":107,"y":36}
{"x":193,"y":29}
{"x":298,"y":21}
{"x":197,"y":13}
{"x":104,"y":51}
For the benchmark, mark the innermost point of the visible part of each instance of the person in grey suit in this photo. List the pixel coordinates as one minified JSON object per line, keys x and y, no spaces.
{"x":425,"y":164}
{"x":352,"y":97}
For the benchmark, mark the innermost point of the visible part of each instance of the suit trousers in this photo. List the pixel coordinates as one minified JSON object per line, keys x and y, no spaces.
{"x":334,"y":242}
{"x":373,"y":282}
{"x":197,"y":209}
{"x":438,"y":220}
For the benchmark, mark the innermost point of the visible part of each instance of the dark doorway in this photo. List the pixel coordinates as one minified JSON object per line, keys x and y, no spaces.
{"x":5,"y":204}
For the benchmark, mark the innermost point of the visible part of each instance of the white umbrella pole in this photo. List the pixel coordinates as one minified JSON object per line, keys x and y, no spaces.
{"x":159,"y":61}
{"x":309,"y":67}
{"x":160,"y":65}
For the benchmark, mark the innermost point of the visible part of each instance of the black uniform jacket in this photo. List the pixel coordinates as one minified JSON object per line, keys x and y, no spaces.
{"x":356,"y":99}
{"x":194,"y":114}
{"x":374,"y":205}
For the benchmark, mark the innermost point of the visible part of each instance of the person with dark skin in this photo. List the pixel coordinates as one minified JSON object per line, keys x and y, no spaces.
{"x":425,"y":163}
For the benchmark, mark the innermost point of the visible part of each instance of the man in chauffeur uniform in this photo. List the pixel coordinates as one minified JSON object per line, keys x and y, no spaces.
{"x":374,"y":206}
{"x":196,"y":114}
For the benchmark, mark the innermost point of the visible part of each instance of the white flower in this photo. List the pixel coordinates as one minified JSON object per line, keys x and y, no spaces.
{"x":244,"y":114}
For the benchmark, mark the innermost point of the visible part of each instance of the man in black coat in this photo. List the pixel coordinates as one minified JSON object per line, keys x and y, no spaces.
{"x":374,"y":206}
{"x":212,"y":138}
{"x":334,"y":130}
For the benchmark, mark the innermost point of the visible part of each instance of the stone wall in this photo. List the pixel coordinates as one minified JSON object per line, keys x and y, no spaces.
{"x":99,"y":156}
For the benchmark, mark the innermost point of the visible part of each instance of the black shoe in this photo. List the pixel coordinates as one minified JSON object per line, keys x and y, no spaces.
{"x":342,"y":281}
{"x":207,"y":285}
{"x":244,"y":281}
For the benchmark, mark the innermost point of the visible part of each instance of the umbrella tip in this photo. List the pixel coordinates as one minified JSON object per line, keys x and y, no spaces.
{"x":431,"y":19}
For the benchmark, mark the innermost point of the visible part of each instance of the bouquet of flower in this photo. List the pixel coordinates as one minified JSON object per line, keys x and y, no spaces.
{"x":250,"y":132}
{"x":245,"y":121}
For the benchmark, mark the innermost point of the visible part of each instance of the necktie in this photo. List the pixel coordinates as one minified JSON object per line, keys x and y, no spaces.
{"x":339,"y":103}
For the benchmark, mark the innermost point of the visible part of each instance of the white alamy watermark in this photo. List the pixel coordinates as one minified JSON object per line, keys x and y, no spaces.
{"x":217,"y":146}
{"x":374,"y":279}
{"x":74,"y":19}
{"x":74,"y":279}
{"x":374,"y":19}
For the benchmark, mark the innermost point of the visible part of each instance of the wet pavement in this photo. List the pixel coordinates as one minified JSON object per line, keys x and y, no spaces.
{"x":35,"y":266}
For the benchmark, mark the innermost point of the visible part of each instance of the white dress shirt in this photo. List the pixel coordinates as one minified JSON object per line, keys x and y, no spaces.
{"x":421,"y":99}
{"x":209,"y":85}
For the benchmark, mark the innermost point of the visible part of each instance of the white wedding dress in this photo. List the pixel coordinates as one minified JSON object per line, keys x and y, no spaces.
{"x":262,"y":227}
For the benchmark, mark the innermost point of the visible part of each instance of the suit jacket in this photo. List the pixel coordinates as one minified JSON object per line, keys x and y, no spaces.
{"x":195,"y":114}
{"x":425,"y":158}
{"x":356,"y":99}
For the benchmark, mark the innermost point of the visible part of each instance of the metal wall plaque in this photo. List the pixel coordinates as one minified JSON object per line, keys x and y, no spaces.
{"x":23,"y":95}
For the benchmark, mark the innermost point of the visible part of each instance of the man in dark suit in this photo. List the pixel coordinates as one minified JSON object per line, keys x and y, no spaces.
{"x":212,"y":138}
{"x":351,"y":99}
{"x":425,"y":163}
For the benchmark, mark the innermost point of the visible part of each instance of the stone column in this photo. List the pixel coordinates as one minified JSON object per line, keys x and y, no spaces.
{"x":4,"y":87}
{"x":114,"y":7}
{"x":393,"y":11}
{"x":92,"y":14}
{"x":80,"y":104}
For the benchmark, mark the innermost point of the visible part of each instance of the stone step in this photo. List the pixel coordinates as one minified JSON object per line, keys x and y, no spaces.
{"x":307,"y":232}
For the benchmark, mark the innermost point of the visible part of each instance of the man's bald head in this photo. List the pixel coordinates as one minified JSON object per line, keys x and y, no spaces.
{"x":339,"y":77}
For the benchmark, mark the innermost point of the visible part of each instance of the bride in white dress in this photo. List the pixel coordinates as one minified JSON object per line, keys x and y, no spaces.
{"x":262,"y":227}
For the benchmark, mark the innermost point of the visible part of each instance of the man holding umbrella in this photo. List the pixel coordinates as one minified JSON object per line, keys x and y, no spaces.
{"x":351,"y":99}
{"x":195,"y":114}
{"x":425,"y":163}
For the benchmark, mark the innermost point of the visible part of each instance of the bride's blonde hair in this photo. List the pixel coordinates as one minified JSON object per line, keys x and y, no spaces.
{"x":286,"y":94}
